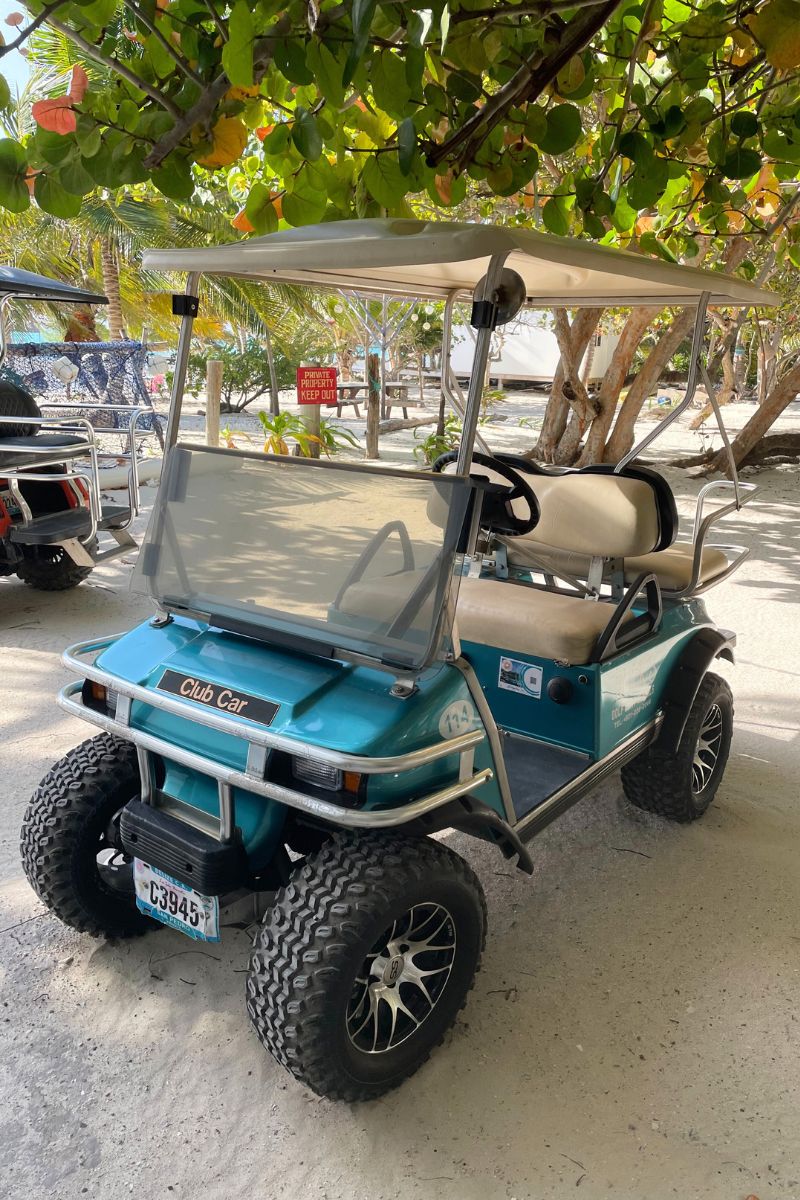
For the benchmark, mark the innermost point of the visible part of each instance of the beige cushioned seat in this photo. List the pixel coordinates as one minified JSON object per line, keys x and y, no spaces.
{"x":528,"y":621}
{"x":672,"y":567}
{"x":492,"y":612}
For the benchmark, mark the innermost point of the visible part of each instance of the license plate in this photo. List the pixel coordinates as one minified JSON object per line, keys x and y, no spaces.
{"x":160,"y":896}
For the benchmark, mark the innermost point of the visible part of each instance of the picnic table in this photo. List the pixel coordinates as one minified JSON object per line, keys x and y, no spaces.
{"x":350,"y":389}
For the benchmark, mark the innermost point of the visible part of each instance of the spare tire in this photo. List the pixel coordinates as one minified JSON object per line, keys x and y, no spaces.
{"x":15,"y":401}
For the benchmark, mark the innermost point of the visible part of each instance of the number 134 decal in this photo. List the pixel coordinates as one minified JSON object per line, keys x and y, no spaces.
{"x":459,"y":717}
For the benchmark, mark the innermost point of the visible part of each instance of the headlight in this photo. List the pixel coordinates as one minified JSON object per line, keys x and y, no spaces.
{"x":330,"y":779}
{"x":99,"y":697}
{"x":318,"y":774}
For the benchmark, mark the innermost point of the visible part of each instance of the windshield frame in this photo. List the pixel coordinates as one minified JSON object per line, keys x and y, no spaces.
{"x":306,"y":635}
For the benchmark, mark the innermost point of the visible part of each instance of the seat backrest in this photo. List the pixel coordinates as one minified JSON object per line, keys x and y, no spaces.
{"x":15,"y":401}
{"x":594,"y":511}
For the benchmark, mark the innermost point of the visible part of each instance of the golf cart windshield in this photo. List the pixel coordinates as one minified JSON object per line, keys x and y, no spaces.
{"x":317,"y":555}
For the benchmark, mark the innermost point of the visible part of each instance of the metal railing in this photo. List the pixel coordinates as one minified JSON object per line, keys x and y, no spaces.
{"x":260,"y":740}
{"x":58,"y":456}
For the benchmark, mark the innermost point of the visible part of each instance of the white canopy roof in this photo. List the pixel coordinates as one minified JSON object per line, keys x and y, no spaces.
{"x":432,"y":258}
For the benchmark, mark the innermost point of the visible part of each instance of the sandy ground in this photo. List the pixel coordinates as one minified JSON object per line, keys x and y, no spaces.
{"x":633,"y":1032}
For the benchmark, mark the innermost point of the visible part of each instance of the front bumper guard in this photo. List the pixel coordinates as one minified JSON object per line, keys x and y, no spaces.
{"x":259,"y":741}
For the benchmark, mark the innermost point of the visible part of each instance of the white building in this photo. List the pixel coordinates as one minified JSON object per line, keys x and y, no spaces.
{"x":526,"y":350}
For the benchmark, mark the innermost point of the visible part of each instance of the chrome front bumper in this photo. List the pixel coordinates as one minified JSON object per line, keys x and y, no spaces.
{"x":259,"y":742}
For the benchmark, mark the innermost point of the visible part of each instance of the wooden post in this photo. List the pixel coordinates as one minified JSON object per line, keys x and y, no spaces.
{"x":213,"y":397}
{"x":274,"y":401}
{"x":311,"y":417}
{"x":373,"y":404}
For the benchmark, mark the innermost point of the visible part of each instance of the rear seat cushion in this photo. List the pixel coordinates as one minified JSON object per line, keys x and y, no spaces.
{"x":491,"y":612}
{"x":16,"y":401}
{"x":22,"y":455}
{"x":672,"y":567}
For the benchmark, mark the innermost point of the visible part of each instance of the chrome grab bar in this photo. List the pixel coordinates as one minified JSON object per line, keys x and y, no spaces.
{"x":39,"y":477}
{"x":715,"y":485}
{"x":229,"y":777}
{"x":83,"y":424}
{"x":700,"y":530}
{"x":74,"y":658}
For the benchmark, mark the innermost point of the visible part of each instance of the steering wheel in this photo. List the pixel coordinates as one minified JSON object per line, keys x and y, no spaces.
{"x":497,"y":511}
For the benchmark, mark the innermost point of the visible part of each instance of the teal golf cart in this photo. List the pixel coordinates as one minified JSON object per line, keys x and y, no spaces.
{"x":347,"y":660}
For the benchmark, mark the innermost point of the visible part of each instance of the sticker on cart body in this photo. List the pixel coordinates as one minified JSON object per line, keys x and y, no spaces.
{"x":522,"y":677}
{"x":459,"y":717}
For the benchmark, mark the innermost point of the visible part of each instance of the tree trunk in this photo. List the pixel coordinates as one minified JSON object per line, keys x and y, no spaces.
{"x":623,"y":433}
{"x":588,"y":363}
{"x":110,"y":269}
{"x":567,"y":448}
{"x":613,"y":381}
{"x":274,"y":398}
{"x":727,"y":387}
{"x":781,"y":396}
{"x":394,"y":424}
{"x":373,"y":404}
{"x":421,"y":377}
{"x":557,"y":411}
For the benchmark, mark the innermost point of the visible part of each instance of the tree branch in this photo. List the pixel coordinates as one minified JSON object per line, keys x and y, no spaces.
{"x":113,"y":64}
{"x":199,"y":113}
{"x":626,"y":100}
{"x":166,"y":45}
{"x":215,"y":17}
{"x":525,"y":85}
{"x":543,"y":9}
{"x":573,"y":389}
{"x":44,"y":15}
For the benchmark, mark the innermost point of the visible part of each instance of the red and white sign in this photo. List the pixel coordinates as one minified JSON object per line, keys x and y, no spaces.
{"x":316,"y":385}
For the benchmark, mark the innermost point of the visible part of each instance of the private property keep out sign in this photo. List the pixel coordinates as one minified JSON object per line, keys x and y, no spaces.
{"x":316,"y":385}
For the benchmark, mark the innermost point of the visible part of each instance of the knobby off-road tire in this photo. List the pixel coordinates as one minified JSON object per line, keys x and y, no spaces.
{"x":328,"y":968}
{"x":681,"y":786}
{"x":50,"y":568}
{"x":69,"y":822}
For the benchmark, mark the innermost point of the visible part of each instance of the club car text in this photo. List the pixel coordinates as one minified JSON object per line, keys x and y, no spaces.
{"x":242,"y":704}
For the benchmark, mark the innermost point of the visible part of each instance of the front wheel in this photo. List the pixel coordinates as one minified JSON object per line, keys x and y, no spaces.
{"x":70,"y":843}
{"x":364,"y":961}
{"x":681,"y":786}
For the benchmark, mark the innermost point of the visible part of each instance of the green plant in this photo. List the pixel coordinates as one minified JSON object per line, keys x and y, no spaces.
{"x":227,"y":434}
{"x":286,"y":424}
{"x":434,"y":444}
{"x":490,"y":400}
{"x":332,"y":438}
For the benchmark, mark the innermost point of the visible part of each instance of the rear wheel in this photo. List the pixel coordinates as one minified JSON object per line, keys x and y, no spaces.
{"x":50,"y":568}
{"x":364,"y":961}
{"x":70,"y":843}
{"x":681,"y":786}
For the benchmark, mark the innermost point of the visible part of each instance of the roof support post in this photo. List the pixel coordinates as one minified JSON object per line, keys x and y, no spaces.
{"x":4,"y":303}
{"x":487,"y":304}
{"x":449,"y":384}
{"x":181,"y":363}
{"x":698,"y":337}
